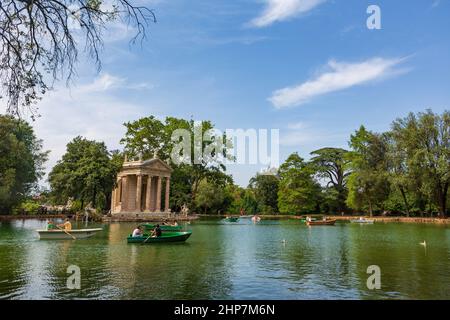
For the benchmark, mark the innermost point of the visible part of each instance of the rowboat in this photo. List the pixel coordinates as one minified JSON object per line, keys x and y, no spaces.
{"x":321,"y":223}
{"x":363,"y":220}
{"x":256,"y":219}
{"x":232,"y":219}
{"x":165,"y":237}
{"x":69,"y":235}
{"x":149,"y":226}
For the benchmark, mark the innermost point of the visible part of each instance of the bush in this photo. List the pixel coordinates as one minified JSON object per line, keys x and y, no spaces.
{"x":28,"y":207}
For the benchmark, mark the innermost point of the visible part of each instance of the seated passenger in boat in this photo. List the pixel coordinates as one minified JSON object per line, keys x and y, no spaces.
{"x":157,"y":231}
{"x":51,"y":225}
{"x":175,"y":223}
{"x":137,"y":232}
{"x":66,"y":225}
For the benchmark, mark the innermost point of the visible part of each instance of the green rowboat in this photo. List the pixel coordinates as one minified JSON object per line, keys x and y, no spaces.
{"x":149,"y":226}
{"x":165,"y":237}
{"x":232,"y":219}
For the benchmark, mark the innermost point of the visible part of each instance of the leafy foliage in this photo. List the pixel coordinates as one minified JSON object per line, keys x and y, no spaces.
{"x":298,"y":191}
{"x":21,"y":162}
{"x":86,"y":173}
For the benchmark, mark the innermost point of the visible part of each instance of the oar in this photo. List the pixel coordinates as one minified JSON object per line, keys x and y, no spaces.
{"x":67,"y":232}
{"x":147,"y":238}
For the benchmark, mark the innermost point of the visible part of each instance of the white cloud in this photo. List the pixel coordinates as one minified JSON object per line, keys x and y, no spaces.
{"x":341,"y":75}
{"x":280,"y":10}
{"x":107,"y":82}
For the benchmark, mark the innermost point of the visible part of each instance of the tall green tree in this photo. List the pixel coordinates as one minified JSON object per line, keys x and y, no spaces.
{"x":368,"y":183}
{"x":332,"y":164}
{"x":210,"y":197}
{"x":425,"y":141}
{"x":86,"y":173}
{"x":265,"y":188}
{"x":298,"y":191}
{"x":21,"y":162}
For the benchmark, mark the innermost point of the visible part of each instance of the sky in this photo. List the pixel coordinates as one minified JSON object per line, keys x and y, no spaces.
{"x":310,"y":68}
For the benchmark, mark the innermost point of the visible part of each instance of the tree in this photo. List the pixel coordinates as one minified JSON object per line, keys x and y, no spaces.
{"x":298,"y":191}
{"x":210,"y":197}
{"x":425,"y":140}
{"x":332,"y":164}
{"x":86,"y":173}
{"x":265,"y":188}
{"x":368,"y":183}
{"x":39,"y":41}
{"x":21,"y":162}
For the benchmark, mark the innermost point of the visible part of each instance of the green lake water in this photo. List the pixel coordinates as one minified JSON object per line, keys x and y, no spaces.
{"x":230,"y":261}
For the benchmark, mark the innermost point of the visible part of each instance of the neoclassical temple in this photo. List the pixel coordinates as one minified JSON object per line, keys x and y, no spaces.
{"x":138,"y":188}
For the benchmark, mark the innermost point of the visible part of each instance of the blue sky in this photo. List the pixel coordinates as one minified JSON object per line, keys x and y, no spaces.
{"x":310,"y":68}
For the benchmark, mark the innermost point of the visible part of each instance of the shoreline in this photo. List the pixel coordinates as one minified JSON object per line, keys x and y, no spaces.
{"x":423,"y":220}
{"x":29,"y":217}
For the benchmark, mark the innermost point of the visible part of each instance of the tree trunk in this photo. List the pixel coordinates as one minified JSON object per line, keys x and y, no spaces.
{"x":370,"y":208}
{"x":94,"y":198}
{"x":405,"y":201}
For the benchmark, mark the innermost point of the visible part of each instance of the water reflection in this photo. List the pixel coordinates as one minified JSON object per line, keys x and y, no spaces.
{"x":269,"y":260}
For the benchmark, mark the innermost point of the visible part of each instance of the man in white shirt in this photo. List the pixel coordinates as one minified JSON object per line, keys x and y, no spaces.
{"x":137,"y":232}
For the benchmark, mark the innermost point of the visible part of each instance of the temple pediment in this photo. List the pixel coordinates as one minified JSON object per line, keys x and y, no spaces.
{"x":152,"y":166}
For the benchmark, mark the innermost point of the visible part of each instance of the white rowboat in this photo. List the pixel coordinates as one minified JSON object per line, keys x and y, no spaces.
{"x":70,"y":235}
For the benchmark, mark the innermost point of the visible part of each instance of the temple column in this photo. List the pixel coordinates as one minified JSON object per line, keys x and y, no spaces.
{"x":166,"y":198}
{"x":118,"y":192}
{"x":138,"y":193}
{"x":158,"y":194}
{"x":124,"y":193}
{"x":113,"y":199}
{"x":148,"y":197}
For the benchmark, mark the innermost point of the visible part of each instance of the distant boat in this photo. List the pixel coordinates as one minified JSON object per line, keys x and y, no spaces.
{"x":256,"y":219}
{"x":165,"y":237}
{"x":60,"y":234}
{"x":232,"y":219}
{"x":362,"y":220}
{"x":321,"y":223}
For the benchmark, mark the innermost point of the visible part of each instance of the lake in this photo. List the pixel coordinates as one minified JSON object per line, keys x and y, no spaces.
{"x":230,"y":261}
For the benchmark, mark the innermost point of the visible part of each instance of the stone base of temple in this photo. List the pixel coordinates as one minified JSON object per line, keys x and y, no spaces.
{"x":147,"y":216}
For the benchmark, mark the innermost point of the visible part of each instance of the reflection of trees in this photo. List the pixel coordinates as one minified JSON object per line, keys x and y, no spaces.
{"x":406,"y":270}
{"x":12,"y":263}
{"x":195,"y":269}
{"x":318,"y":263}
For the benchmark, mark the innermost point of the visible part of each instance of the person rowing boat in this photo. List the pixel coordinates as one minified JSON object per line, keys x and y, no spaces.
{"x":157,"y":231}
{"x":66,"y":225}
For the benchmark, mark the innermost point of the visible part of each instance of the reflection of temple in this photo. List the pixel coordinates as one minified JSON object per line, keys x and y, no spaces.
{"x":139,"y":187}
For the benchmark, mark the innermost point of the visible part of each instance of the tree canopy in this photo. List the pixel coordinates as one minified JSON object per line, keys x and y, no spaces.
{"x":85,"y":173}
{"x":298,"y":191}
{"x":21,"y":162}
